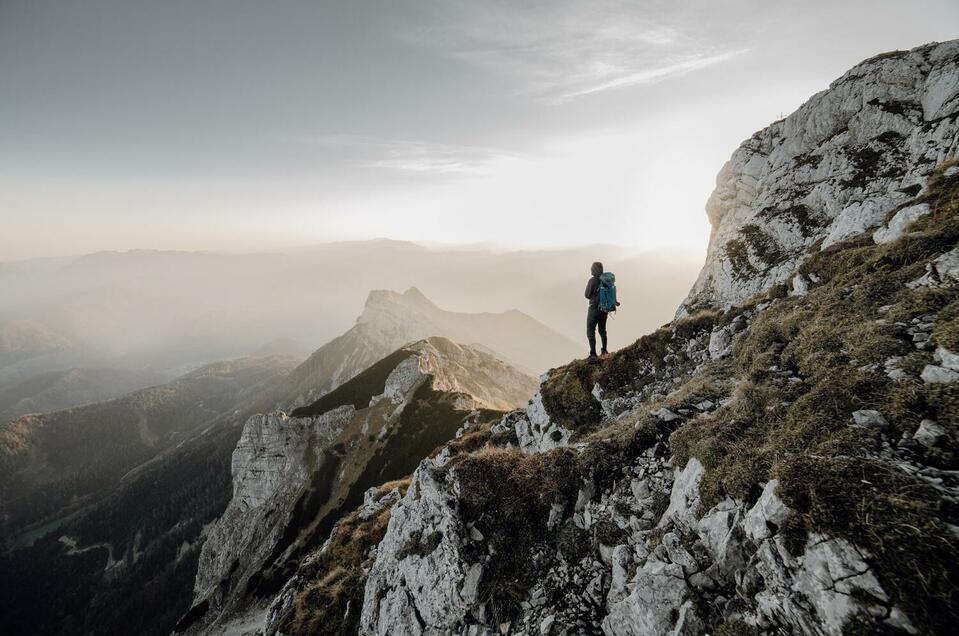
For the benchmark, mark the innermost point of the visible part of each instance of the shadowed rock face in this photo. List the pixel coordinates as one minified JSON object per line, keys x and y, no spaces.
{"x":832,"y":169}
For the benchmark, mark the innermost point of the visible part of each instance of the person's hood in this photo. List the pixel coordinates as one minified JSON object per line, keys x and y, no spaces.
{"x":597,"y":268}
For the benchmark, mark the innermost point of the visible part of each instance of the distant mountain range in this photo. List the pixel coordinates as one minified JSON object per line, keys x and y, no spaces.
{"x":53,"y":464}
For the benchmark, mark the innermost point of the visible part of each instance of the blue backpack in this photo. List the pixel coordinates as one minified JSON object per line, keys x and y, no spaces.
{"x":607,"y":292}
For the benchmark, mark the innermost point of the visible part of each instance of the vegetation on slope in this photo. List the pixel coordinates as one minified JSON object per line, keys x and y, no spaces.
{"x":805,"y":365}
{"x":54,"y":463}
{"x":331,"y":601}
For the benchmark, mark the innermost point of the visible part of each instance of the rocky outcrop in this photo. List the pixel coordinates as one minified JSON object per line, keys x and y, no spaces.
{"x":834,"y":168}
{"x":275,"y":457}
{"x":421,"y":582}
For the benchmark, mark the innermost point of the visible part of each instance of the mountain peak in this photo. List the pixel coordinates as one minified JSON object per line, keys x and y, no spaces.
{"x":413,"y":293}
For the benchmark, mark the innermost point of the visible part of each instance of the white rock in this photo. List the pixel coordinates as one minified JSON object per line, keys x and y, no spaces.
{"x":898,"y":223}
{"x":721,"y":531}
{"x":929,"y":433}
{"x":947,"y":266}
{"x":858,"y":217}
{"x":537,"y":433}
{"x":769,"y":510}
{"x":837,"y":581}
{"x":800,"y":286}
{"x":659,"y":591}
{"x":869,"y":419}
{"x":666,"y":415}
{"x":720,"y":343}
{"x":547,"y":625}
{"x":805,"y":181}
{"x":622,"y":557}
{"x":405,"y":588}
{"x":947,"y":358}
{"x":934,"y":374}
{"x":271,"y":466}
{"x":684,"y":497}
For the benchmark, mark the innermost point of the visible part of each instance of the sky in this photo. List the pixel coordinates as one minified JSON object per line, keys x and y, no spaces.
{"x":245,"y":125}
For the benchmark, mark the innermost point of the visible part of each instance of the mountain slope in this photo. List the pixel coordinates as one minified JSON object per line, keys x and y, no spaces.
{"x":780,"y":460}
{"x":58,"y":390}
{"x":294,"y":476}
{"x":788,"y":465}
{"x":25,"y":339}
{"x":51,"y":464}
{"x":391,"y":320}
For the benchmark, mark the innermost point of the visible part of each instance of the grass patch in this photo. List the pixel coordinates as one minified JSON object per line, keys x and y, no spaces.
{"x":806,"y":364}
{"x":894,"y":517}
{"x":508,"y":495}
{"x":332,"y":601}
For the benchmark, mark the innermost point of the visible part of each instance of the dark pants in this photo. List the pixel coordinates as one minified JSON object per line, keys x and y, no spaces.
{"x":596,"y":318}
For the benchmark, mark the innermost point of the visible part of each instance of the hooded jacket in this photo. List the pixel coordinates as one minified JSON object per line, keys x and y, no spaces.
{"x":592,"y":287}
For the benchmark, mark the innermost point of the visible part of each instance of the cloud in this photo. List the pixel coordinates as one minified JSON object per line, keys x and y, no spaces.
{"x":561,"y":50}
{"x":653,"y":75}
{"x":413,"y":156}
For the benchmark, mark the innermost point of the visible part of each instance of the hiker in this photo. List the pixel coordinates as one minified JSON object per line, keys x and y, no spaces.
{"x":601,"y":293}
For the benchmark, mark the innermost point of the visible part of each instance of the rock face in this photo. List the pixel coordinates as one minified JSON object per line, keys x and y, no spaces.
{"x":834,"y":168}
{"x":421,"y":582}
{"x":294,"y":476}
{"x":273,"y":460}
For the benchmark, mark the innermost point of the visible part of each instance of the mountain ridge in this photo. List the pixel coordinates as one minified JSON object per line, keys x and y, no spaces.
{"x":390,"y":320}
{"x":295,"y":475}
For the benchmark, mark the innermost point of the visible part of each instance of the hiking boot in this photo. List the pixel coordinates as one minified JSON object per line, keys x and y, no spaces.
{"x":604,"y":354}
{"x":592,"y":359}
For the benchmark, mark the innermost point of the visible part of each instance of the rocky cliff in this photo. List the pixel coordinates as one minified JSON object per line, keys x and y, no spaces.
{"x":295,"y":475}
{"x":833,"y":169}
{"x":780,"y":459}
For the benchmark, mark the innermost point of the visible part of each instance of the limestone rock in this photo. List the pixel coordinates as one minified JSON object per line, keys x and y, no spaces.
{"x":869,"y":419}
{"x":947,"y":358}
{"x":835,"y":167}
{"x":898,"y":223}
{"x":929,"y":433}
{"x":536,"y":432}
{"x":412,"y":589}
{"x":768,"y":513}
{"x":938,"y":375}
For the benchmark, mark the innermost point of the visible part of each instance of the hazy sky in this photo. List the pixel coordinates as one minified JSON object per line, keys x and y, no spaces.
{"x":244,"y":123}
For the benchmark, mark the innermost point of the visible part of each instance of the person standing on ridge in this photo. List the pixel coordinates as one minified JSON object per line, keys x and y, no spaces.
{"x":601,"y":293}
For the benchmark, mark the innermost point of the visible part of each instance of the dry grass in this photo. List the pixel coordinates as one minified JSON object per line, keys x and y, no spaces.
{"x":331,"y":602}
{"x":798,"y":430}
